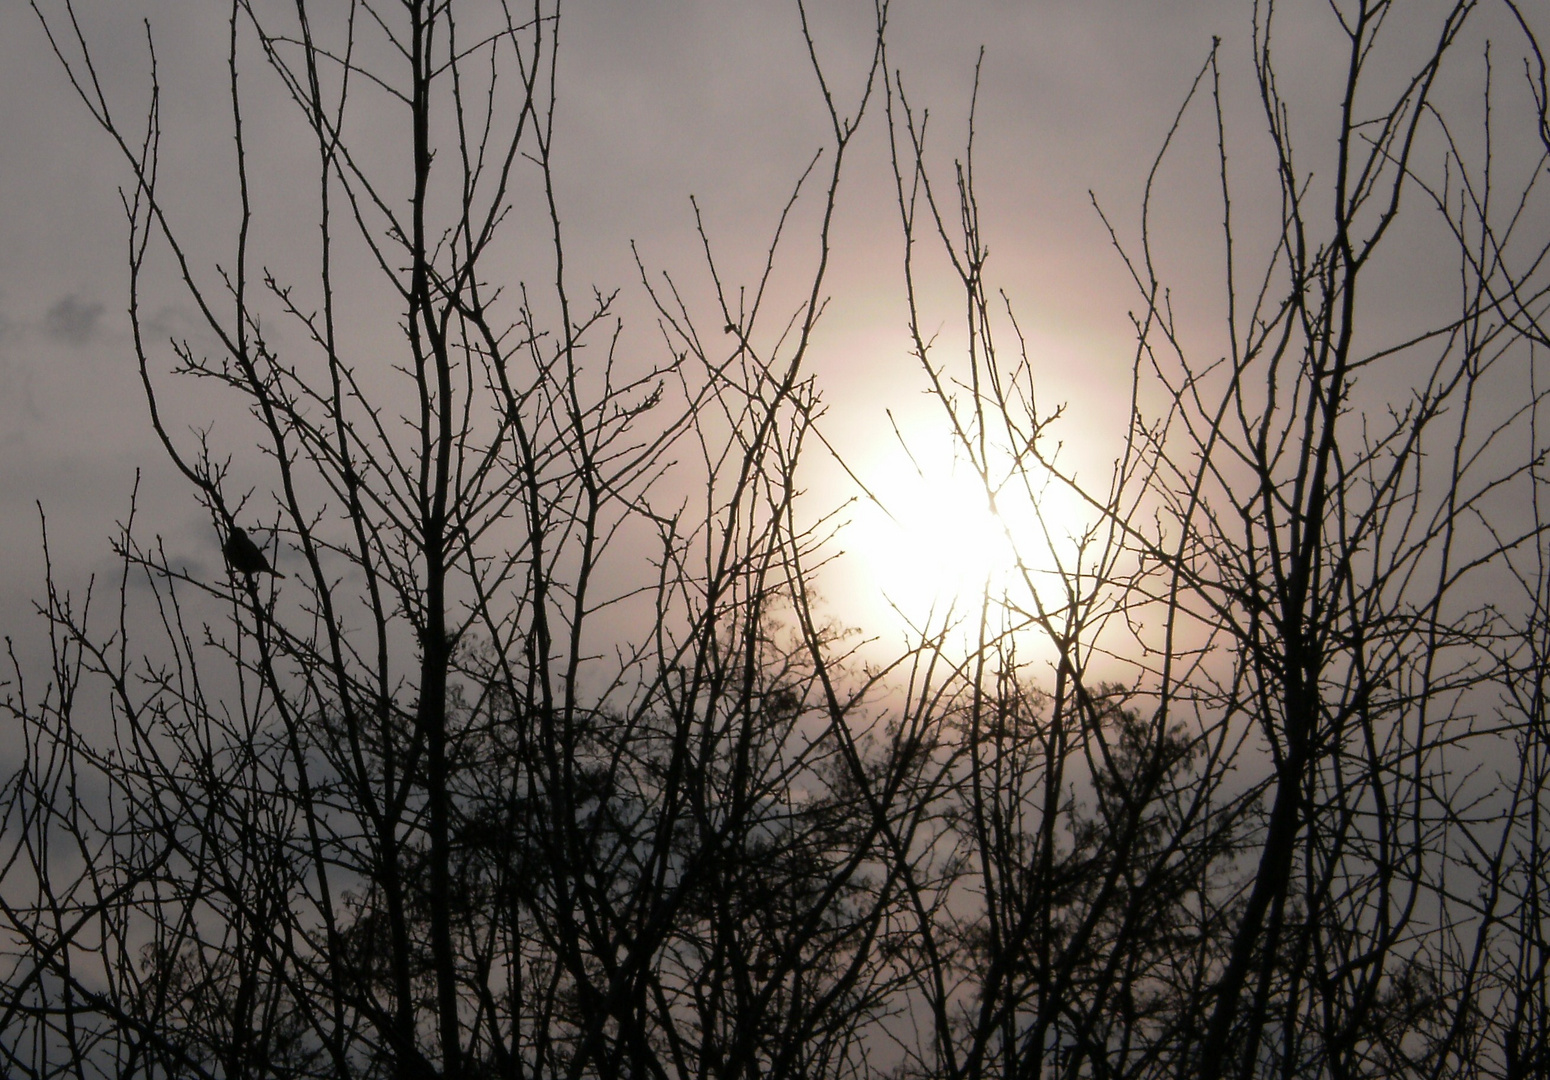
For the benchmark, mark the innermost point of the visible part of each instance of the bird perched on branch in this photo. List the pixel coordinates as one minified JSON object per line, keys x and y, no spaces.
{"x":244,"y":556}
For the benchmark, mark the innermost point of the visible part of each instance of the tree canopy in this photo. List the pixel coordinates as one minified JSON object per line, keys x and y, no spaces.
{"x":537,"y":751}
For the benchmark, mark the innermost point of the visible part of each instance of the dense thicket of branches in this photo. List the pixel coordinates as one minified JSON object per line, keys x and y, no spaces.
{"x":542,"y":761}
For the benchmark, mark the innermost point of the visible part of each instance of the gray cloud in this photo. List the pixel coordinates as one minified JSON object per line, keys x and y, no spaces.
{"x":73,"y":320}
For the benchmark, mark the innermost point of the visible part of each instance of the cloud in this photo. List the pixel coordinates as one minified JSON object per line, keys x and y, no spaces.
{"x":73,"y":320}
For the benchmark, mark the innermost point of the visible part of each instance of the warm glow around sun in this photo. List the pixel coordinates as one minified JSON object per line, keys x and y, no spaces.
{"x":948,"y":543}
{"x":931,"y":542}
{"x":927,"y":546}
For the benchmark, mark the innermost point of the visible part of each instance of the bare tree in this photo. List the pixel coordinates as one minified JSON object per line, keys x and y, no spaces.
{"x":542,"y":758}
{"x":1302,"y":837}
{"x":538,"y":762}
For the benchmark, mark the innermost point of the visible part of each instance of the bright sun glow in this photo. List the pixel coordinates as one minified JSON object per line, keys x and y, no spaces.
{"x":935,"y":543}
{"x":948,"y":541}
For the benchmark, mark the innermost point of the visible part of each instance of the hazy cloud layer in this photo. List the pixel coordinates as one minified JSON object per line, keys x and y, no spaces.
{"x":658,"y":101}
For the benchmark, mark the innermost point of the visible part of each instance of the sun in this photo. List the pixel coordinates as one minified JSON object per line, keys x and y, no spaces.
{"x":933,"y":537}
{"x":929,"y":538}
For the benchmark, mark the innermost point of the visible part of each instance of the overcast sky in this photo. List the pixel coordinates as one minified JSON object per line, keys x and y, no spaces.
{"x":660,"y":99}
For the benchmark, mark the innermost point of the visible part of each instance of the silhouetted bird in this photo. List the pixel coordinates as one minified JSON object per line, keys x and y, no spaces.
{"x":244,"y":556}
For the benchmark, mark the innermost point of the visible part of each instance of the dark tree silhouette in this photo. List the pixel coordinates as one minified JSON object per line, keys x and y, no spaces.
{"x":1300,"y":835}
{"x":542,"y":765}
{"x":547,"y":761}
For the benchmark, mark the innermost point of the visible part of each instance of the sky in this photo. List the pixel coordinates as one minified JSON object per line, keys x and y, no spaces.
{"x":660,"y":100}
